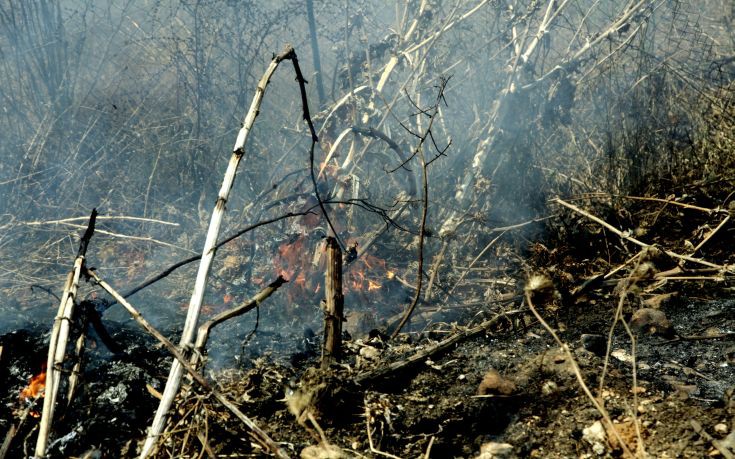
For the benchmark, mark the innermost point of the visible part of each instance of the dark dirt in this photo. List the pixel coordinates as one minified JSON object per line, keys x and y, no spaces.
{"x":509,"y":391}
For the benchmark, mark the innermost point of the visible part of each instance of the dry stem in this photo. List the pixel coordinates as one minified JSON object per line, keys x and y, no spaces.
{"x":58,"y":341}
{"x":578,"y":374}
{"x":187,"y":336}
{"x":635,"y":241}
{"x":206,"y":327}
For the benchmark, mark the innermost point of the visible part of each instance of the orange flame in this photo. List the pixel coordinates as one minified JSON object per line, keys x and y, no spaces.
{"x":34,"y":389}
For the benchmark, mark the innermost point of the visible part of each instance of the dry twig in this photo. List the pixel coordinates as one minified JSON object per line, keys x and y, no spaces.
{"x":635,"y":241}
{"x":206,"y":327}
{"x":422,"y":355}
{"x":578,"y":374}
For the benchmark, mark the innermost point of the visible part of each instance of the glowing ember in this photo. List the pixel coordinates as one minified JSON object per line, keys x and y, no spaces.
{"x":372,"y":285}
{"x":34,"y":389}
{"x":390,"y":274}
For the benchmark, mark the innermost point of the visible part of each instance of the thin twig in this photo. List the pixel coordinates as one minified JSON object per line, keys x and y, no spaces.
{"x":580,"y":379}
{"x":267,"y":442}
{"x":99,"y":217}
{"x":148,"y":282}
{"x":291,"y":55}
{"x":206,"y":327}
{"x":635,"y":241}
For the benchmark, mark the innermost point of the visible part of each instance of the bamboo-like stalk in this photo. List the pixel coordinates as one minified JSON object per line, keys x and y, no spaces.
{"x":334,"y":309}
{"x":59,"y":339}
{"x":174,"y":379}
{"x":77,"y":369}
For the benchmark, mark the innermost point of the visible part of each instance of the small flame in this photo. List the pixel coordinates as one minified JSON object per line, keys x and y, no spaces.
{"x":390,"y":274}
{"x":372,"y":285}
{"x":34,"y":389}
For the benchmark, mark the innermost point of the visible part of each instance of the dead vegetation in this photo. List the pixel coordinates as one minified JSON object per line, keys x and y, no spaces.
{"x":518,"y":215}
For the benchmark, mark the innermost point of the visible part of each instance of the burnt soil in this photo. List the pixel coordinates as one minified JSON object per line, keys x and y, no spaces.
{"x":509,"y":391}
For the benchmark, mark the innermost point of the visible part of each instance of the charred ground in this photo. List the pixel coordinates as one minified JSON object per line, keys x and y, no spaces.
{"x":513,"y":170}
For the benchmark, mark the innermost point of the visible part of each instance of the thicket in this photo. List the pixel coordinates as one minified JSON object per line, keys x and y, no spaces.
{"x":131,"y":107}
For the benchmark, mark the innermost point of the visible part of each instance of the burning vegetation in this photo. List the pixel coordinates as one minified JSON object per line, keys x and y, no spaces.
{"x":480,"y":229}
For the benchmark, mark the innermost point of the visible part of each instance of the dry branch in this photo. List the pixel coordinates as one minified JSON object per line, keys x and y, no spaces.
{"x":622,"y":235}
{"x":206,"y":327}
{"x":419,"y":153}
{"x":175,"y":374}
{"x":421,"y":356}
{"x":58,"y":341}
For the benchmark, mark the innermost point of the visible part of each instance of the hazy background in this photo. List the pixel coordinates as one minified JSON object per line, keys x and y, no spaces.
{"x":132,"y":107}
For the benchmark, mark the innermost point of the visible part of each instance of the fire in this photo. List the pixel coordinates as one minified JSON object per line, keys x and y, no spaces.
{"x":359,"y":281}
{"x":291,"y":259}
{"x":34,"y":389}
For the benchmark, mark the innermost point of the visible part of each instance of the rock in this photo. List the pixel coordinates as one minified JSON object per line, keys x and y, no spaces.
{"x":493,"y":383}
{"x":369,"y":353}
{"x":651,"y":321}
{"x":595,"y":435}
{"x":493,"y":450}
{"x":721,"y":428}
{"x":323,"y":452}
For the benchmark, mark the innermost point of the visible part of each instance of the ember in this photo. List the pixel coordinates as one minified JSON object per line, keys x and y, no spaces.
{"x":34,"y":389}
{"x":372,"y":285}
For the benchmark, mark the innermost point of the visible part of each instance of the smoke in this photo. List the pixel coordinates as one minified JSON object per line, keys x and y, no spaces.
{"x":132,"y":107}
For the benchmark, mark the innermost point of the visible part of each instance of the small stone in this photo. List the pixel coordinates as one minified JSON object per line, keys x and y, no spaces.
{"x":495,"y":384}
{"x":369,"y":353}
{"x":595,"y":435}
{"x":493,"y":450}
{"x":549,"y":387}
{"x":721,"y":428}
{"x":651,"y":321}
{"x":323,"y":452}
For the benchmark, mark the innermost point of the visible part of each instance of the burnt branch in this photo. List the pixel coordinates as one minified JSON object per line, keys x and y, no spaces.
{"x":333,"y":305}
{"x":419,"y":153}
{"x":314,"y":138}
